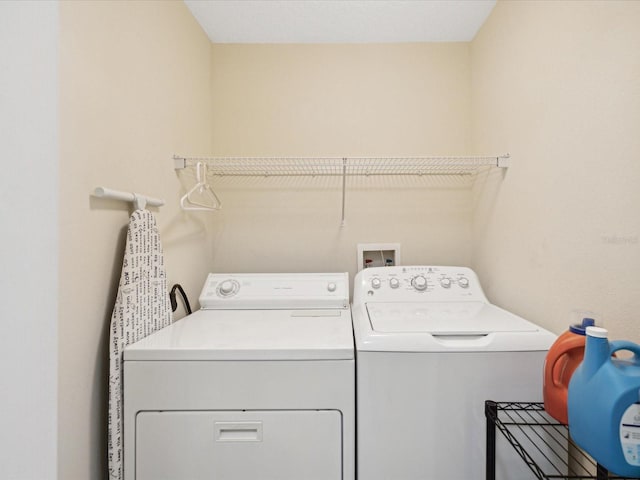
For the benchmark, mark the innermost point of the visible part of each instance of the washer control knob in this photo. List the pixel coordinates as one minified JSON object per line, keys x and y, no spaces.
{"x":445,"y":282}
{"x":463,"y":282}
{"x":419,"y":283}
{"x":332,"y":287}
{"x":228,"y":288}
{"x":394,"y":283}
{"x":375,"y":282}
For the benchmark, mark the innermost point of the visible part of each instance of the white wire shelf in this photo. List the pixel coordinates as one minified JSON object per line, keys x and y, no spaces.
{"x":334,"y":166}
{"x":342,"y":166}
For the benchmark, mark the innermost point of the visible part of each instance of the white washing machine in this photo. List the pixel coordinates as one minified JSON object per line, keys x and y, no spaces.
{"x":258,"y":384}
{"x":430,"y":350}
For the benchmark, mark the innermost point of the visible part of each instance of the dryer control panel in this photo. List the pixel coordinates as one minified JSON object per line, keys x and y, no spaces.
{"x":417,"y":284}
{"x":275,"y":291}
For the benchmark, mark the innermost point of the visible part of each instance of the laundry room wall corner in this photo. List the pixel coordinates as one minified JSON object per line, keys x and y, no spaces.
{"x":556,"y":85}
{"x":134,"y":89}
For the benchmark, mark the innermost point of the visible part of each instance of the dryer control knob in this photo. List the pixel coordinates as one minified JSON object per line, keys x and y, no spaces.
{"x":228,"y":287}
{"x":463,"y":282}
{"x":394,"y":283}
{"x":445,"y":282}
{"x":419,"y":283}
{"x":332,"y":287}
{"x":375,"y":282}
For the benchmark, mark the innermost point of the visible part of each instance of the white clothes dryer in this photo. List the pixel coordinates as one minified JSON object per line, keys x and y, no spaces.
{"x":258,"y":384}
{"x":430,"y":350}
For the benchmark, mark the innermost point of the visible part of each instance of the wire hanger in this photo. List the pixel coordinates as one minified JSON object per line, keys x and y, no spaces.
{"x":201,"y":196}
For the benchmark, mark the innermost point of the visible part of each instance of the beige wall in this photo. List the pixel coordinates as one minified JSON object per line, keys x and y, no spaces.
{"x":135,"y":86}
{"x":333,"y":100}
{"x":336,"y":100}
{"x":557,"y":84}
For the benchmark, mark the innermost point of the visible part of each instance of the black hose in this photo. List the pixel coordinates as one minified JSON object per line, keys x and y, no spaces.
{"x":174,"y":302}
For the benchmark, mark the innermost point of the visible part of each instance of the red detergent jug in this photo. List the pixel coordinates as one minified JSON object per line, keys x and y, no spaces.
{"x":563,"y":358}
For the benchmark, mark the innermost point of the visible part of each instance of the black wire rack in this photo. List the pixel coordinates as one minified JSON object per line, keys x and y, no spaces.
{"x":543,"y":443}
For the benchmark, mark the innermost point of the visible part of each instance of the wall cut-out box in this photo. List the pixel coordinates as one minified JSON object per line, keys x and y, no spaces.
{"x":378,"y":255}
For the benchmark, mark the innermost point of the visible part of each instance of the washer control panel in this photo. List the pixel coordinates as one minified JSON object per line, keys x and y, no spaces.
{"x":417,"y":283}
{"x":275,"y":291}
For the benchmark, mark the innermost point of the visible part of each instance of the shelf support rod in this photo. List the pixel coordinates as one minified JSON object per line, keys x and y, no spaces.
{"x":344,"y":188}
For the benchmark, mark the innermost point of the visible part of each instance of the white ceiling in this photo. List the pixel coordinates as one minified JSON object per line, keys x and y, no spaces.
{"x":340,"y":21}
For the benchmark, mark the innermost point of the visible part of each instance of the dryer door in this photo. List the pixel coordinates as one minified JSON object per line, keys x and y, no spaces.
{"x":238,"y":445}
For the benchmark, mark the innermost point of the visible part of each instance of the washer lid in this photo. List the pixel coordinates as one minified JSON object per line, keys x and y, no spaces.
{"x":324,"y":334}
{"x":444,"y":327}
{"x":445,"y":318}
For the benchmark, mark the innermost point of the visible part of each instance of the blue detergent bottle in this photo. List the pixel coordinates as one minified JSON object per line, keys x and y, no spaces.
{"x":604,"y":404}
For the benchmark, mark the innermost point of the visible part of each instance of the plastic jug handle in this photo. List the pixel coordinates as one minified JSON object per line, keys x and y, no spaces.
{"x":554,"y":372}
{"x":625,"y":345}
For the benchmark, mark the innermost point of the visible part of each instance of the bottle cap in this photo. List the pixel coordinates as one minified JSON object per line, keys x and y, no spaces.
{"x":597,"y":332}
{"x":580,"y":329}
